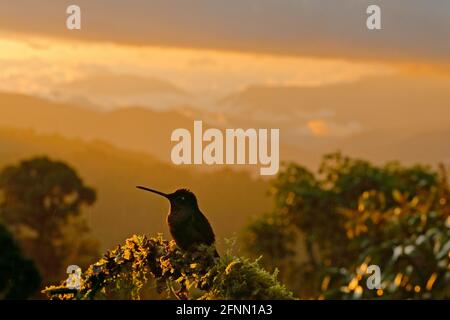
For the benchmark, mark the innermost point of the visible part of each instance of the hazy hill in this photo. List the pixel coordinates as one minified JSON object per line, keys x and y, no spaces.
{"x":107,"y":89}
{"x":131,"y":128}
{"x":122,"y":84}
{"x":134,"y":128}
{"x":402,"y":117}
{"x":409,"y":102}
{"x":228,"y":198}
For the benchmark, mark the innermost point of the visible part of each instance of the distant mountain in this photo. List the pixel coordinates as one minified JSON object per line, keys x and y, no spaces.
{"x":428,"y":147}
{"x":133,"y":128}
{"x":228,"y":198}
{"x":123,"y":84}
{"x":109,"y":90}
{"x":408,"y":103}
{"x":374,"y":118}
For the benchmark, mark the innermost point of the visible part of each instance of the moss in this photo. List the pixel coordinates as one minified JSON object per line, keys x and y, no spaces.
{"x":123,"y":272}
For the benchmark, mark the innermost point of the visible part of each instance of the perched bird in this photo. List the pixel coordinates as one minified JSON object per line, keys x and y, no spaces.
{"x":187,"y":224}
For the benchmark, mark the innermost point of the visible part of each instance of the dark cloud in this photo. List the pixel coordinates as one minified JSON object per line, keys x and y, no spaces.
{"x":412,"y":29}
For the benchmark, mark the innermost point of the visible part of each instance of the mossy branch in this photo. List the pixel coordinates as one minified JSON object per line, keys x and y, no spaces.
{"x":124,"y":271}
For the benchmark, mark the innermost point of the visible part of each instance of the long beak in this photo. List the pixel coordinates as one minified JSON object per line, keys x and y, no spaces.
{"x":165,"y":195}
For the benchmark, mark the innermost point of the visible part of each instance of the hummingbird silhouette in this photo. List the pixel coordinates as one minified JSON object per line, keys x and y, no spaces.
{"x":187,"y":224}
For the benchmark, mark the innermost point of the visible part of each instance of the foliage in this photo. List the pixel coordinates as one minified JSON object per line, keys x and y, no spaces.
{"x":126,"y":270}
{"x":19,"y":278}
{"x":353,"y":214}
{"x":41,"y":203}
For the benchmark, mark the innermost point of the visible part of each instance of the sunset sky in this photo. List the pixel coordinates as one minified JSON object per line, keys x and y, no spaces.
{"x":213,"y":48}
{"x":197,"y":73}
{"x":412,"y":29}
{"x":311,"y":68}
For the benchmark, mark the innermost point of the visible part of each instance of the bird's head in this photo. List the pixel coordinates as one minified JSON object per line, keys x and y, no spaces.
{"x":182,"y":199}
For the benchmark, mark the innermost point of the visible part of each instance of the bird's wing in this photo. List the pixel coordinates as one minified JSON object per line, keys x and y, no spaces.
{"x":202,"y":230}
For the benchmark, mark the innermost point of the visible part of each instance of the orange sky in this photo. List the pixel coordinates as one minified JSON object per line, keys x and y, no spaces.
{"x":413,"y":30}
{"x":40,"y":65}
{"x":197,"y":56}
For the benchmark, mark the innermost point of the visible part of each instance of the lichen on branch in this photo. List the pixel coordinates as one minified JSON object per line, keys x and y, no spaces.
{"x":124,"y":271}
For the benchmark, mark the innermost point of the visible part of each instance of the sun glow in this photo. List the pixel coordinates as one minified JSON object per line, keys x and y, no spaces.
{"x":206,"y":73}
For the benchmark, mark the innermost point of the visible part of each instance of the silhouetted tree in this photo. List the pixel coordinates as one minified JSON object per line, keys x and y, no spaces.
{"x":41,"y":204}
{"x":19,"y":277}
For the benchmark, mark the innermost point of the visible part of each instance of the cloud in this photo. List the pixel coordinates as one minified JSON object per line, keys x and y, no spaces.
{"x":108,"y":83}
{"x":327,"y":128}
{"x":202,"y":62}
{"x":412,"y":29}
{"x":152,"y":76}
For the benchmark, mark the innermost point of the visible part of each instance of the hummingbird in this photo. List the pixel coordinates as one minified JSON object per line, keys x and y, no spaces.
{"x":187,"y":224}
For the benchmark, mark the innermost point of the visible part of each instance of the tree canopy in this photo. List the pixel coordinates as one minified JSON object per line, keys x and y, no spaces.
{"x":353,"y":214}
{"x":41,"y":202}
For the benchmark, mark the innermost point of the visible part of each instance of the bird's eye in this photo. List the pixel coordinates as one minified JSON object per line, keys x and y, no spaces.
{"x":182,"y":198}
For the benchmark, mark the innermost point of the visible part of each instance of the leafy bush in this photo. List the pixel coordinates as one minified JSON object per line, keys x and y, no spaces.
{"x":126,"y":270}
{"x":353,"y":214}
